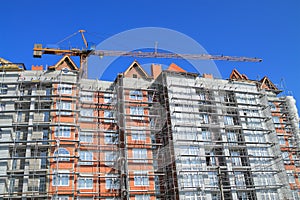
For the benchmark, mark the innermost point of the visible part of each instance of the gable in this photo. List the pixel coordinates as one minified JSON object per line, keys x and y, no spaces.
{"x":236,"y":75}
{"x":267,"y":84}
{"x":9,"y":66}
{"x":65,"y":62}
{"x":175,"y":68}
{"x":135,"y":71}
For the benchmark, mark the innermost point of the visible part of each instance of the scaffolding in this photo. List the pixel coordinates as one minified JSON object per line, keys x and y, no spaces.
{"x":218,"y":140}
{"x":179,"y":136}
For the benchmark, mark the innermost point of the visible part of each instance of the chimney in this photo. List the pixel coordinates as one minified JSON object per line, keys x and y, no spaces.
{"x":207,"y":76}
{"x":38,"y":68}
{"x":156,"y":70}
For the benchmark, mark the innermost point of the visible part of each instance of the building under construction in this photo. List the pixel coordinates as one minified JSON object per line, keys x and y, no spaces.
{"x":168,"y":135}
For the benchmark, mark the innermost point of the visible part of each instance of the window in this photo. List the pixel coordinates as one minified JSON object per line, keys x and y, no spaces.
{"x":141,"y":178}
{"x":61,"y":154}
{"x":231,"y":137}
{"x":86,"y":96}
{"x":112,"y":181}
{"x":64,"y":89}
{"x":204,"y":119}
{"x":85,"y":183}
{"x":138,"y":135}
{"x":111,"y":138}
{"x":192,"y":180}
{"x":60,"y":178}
{"x":272,"y":106}
{"x":235,"y":158}
{"x":285,"y":157}
{"x":108,"y":97}
{"x":150,"y":98}
{"x":139,"y":155}
{"x":142,"y":197}
{"x":3,"y":89}
{"x":109,"y":116}
{"x":136,"y":94}
{"x":62,"y":131}
{"x":60,"y":197}
{"x":137,"y":111}
{"x":210,"y":158}
{"x":206,"y":136}
{"x":64,"y":105}
{"x":291,"y":177}
{"x":239,"y":179}
{"x":86,"y":137}
{"x":242,"y":196}
{"x":110,"y":158}
{"x":213,"y":178}
{"x":2,"y":107}
{"x":86,"y":115}
{"x":276,"y":122}
{"x":85,"y":157}
{"x":281,"y":140}
{"x":228,"y":120}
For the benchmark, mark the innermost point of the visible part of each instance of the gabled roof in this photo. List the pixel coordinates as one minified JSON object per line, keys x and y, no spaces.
{"x":135,"y":69}
{"x":235,"y":75}
{"x":266,"y":83}
{"x":68,"y":61}
{"x":9,"y":66}
{"x":175,"y":68}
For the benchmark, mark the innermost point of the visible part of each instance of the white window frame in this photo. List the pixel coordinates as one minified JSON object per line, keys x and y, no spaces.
{"x":204,"y":118}
{"x":281,"y":140}
{"x":86,"y":157}
{"x":213,"y":178}
{"x":2,"y":107}
{"x":206,"y":136}
{"x":228,"y":120}
{"x":139,"y":155}
{"x":136,"y":94}
{"x":236,"y":158}
{"x":109,"y":116}
{"x":87,"y":96}
{"x":86,"y":181}
{"x":107,"y":97}
{"x":137,"y":112}
{"x":86,"y":137}
{"x":112,"y":181}
{"x":64,"y":89}
{"x":3,"y":89}
{"x":61,"y":154}
{"x":62,"y":177}
{"x":86,"y":114}
{"x":276,"y":121}
{"x":64,"y":105}
{"x":285,"y":157}
{"x":239,"y":179}
{"x":138,"y":135}
{"x":63,"y":131}
{"x":142,"y":197}
{"x":60,"y":197}
{"x":141,"y":178}
{"x":232,"y":138}
{"x":110,"y":157}
{"x":111,"y":138}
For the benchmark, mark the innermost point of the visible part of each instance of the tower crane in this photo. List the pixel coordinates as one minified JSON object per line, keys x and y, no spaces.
{"x":39,"y":50}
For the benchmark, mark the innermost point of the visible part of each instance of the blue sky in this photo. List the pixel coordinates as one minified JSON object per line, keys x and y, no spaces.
{"x":268,"y":29}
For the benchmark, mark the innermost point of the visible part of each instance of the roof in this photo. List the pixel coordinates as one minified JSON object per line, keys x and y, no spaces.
{"x":66,"y":59}
{"x":175,"y":68}
{"x":135,"y":68}
{"x":236,"y":75}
